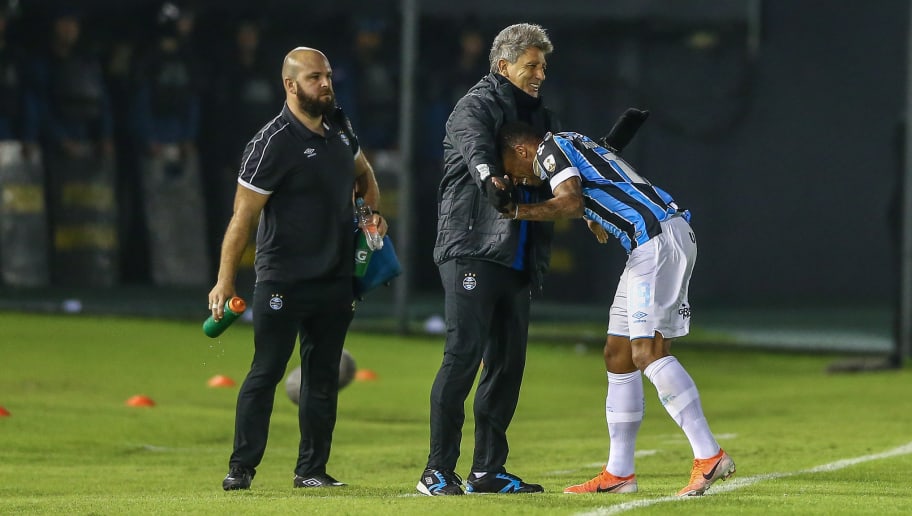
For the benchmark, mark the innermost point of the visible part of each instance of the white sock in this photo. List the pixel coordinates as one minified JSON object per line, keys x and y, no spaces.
{"x":624,"y":409}
{"x":678,"y":394}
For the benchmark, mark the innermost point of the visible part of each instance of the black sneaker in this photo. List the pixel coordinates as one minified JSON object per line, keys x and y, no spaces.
{"x":500,"y":483}
{"x":238,"y":478}
{"x":318,"y":480}
{"x":439,"y":483}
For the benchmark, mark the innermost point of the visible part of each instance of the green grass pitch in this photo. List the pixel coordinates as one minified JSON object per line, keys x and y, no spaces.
{"x":805,"y":441}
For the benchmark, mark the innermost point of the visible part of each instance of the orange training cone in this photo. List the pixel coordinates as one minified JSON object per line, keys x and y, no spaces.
{"x":221,"y":380}
{"x":4,"y":412}
{"x":365,"y":375}
{"x":140,"y":401}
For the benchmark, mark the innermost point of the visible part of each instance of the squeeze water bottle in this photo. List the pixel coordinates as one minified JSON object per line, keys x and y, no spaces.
{"x":234,"y":307}
{"x":363,"y":255}
{"x":366,"y":223}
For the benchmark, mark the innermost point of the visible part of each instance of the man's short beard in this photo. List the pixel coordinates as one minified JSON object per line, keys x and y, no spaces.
{"x":315,"y":106}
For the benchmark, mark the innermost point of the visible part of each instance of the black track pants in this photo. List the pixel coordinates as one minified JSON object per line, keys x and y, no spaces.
{"x":487,"y":317}
{"x":320,"y":313}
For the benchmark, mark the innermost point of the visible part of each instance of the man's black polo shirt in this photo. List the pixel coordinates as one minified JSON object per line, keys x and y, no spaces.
{"x":306,"y":228}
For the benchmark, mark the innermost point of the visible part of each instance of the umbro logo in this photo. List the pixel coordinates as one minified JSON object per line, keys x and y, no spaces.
{"x":640,"y":315}
{"x":310,"y":152}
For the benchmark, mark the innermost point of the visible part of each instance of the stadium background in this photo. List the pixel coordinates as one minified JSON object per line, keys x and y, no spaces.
{"x":775,"y":122}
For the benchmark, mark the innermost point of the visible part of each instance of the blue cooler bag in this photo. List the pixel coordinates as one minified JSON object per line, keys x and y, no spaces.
{"x":382,"y":268}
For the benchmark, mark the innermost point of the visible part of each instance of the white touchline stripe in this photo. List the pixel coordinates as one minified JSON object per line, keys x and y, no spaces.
{"x":738,"y":483}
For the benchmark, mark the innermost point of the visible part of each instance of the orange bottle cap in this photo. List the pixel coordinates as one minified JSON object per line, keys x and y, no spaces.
{"x":237,"y":305}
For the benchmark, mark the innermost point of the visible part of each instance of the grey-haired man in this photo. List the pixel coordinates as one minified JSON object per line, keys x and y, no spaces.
{"x":488,"y":266}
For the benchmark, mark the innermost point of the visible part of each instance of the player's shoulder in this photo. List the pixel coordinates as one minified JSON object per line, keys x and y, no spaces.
{"x":555,"y":139}
{"x":550,"y":138}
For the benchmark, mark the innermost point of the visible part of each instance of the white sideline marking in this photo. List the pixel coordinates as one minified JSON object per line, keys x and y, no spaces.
{"x":738,"y":483}
{"x":811,"y":339}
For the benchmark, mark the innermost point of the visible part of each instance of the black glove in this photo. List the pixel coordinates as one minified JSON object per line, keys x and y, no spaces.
{"x":498,"y":198}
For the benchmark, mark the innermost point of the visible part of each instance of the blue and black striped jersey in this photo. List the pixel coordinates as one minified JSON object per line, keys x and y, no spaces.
{"x":625,"y":203}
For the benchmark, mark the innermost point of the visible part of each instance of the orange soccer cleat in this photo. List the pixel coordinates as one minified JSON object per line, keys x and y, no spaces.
{"x":605,"y":483}
{"x":706,"y":472}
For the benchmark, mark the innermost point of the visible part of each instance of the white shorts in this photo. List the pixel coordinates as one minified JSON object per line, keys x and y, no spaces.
{"x":652,"y":292}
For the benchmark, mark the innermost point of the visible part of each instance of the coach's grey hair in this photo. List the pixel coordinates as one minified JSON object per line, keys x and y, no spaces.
{"x":514,"y":40}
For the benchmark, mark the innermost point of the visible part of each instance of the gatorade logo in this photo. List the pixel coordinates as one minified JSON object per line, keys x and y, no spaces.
{"x":361,"y":256}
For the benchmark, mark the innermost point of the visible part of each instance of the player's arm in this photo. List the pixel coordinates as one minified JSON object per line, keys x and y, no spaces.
{"x":247,"y":207}
{"x":567,"y":203}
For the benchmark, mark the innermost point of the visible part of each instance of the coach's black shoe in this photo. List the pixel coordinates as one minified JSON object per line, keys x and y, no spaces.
{"x":500,"y":483}
{"x":238,"y":478}
{"x":318,"y":480}
{"x":439,"y":483}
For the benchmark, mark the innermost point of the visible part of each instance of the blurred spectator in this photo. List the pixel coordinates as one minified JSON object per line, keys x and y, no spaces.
{"x":167,"y":120}
{"x":167,"y":104}
{"x":246,"y":94}
{"x":367,"y":86}
{"x":23,"y":224}
{"x":74,"y":105}
{"x":471,"y":63}
{"x":18,"y":104}
{"x":442,"y":90}
{"x":79,"y":156}
{"x":466,"y":62}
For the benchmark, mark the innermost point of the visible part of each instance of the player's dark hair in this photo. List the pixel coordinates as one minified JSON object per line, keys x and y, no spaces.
{"x":516,"y":132}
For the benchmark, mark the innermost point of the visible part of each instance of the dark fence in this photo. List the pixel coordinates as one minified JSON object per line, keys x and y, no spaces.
{"x":773,"y":121}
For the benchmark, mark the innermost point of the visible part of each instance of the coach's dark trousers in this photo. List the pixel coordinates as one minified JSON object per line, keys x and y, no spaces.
{"x":487,"y":316}
{"x":320,"y":312}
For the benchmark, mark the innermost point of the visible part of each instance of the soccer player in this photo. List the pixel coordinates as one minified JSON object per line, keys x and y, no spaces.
{"x":650,"y":306}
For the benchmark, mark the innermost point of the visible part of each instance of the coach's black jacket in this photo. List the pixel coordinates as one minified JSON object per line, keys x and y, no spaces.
{"x":467,"y":225}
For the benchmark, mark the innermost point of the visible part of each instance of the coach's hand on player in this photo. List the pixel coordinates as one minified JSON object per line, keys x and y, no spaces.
{"x":600,"y":234}
{"x":499,"y":191}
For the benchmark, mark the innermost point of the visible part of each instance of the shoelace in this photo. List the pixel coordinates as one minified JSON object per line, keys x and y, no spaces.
{"x":452,"y":477}
{"x":595,"y":482}
{"x":697,"y":472}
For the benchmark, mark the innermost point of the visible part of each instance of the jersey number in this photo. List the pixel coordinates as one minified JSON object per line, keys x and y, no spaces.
{"x":626,"y":171}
